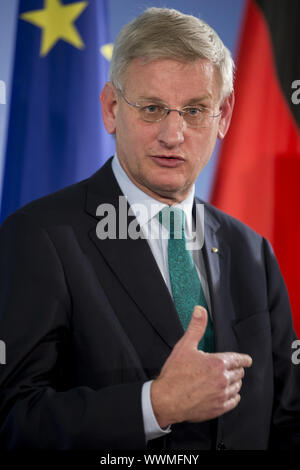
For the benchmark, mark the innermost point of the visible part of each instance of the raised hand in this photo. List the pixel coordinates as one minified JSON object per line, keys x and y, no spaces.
{"x":197,"y":386}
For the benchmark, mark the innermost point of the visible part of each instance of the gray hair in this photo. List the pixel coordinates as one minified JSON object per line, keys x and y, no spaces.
{"x":162,"y":33}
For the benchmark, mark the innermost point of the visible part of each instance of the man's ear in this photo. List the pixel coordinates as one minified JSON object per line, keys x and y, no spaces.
{"x":108,"y":107}
{"x":226,"y":108}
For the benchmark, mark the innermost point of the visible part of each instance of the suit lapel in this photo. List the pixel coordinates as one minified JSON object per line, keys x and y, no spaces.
{"x":132,"y":261}
{"x":216,"y":254}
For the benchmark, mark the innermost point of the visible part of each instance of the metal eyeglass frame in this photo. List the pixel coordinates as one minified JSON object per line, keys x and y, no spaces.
{"x":181,"y":112}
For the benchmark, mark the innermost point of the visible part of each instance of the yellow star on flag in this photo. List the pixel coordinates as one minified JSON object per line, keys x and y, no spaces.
{"x":57,"y":22}
{"x":107,"y":51}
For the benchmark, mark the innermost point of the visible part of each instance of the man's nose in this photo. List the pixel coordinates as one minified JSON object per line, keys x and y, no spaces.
{"x":172,"y":129}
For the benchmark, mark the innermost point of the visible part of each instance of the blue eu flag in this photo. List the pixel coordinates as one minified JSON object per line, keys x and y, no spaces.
{"x":55,"y":135}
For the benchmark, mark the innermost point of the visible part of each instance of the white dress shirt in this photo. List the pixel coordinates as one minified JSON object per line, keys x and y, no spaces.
{"x":146,"y":209}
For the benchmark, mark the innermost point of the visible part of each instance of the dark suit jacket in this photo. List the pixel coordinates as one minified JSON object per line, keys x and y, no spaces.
{"x":86,"y":322}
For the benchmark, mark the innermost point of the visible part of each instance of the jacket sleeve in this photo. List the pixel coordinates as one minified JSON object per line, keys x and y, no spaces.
{"x":285,"y":429}
{"x":36,"y":411}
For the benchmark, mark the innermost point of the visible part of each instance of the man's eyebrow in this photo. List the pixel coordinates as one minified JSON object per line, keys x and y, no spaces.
{"x":199,"y":99}
{"x":151,"y":98}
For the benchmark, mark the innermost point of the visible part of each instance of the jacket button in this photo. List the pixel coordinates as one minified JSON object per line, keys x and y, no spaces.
{"x":221,"y":446}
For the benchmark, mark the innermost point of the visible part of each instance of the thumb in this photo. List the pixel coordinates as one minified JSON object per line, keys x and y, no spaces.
{"x":196,"y":328}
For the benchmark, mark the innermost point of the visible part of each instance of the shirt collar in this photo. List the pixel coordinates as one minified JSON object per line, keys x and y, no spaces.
{"x":144,"y":206}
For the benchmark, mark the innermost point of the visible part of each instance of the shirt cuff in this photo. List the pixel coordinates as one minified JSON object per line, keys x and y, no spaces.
{"x":151,"y":426}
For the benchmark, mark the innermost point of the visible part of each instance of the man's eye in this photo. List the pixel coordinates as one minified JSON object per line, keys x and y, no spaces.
{"x":151,"y":108}
{"x":194,"y":111}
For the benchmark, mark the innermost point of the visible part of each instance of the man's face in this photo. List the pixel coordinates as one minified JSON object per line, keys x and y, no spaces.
{"x":164,"y":158}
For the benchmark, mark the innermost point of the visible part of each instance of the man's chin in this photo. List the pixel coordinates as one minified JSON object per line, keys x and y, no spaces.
{"x":169,"y":190}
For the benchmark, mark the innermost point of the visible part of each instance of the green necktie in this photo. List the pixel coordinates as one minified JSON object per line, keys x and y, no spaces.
{"x":185,"y":283}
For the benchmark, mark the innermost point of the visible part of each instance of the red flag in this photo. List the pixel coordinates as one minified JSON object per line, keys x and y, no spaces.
{"x":259,"y":164}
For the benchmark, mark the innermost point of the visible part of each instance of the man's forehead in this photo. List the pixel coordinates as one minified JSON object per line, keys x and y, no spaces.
{"x":161,"y":78}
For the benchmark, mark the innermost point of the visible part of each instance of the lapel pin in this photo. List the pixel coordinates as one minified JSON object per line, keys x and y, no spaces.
{"x":215,"y":249}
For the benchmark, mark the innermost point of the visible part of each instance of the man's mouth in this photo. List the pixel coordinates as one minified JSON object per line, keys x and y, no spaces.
{"x":173,"y":157}
{"x":168,"y":160}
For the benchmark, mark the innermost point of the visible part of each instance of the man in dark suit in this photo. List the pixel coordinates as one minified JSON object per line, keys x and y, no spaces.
{"x":102,"y":351}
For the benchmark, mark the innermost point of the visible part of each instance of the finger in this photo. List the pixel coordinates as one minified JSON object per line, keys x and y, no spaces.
{"x":234,"y":375}
{"x":196,"y":328}
{"x":234,"y":360}
{"x":231,"y":403}
{"x":233,"y":390}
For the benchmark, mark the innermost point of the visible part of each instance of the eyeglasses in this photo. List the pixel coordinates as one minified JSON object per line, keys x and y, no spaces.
{"x":152,"y":112}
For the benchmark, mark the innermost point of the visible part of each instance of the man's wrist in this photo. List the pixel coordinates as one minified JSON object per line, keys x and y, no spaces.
{"x":159,"y":407}
{"x":152,"y":428}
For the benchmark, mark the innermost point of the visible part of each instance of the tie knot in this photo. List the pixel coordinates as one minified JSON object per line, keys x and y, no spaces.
{"x":172,"y":218}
